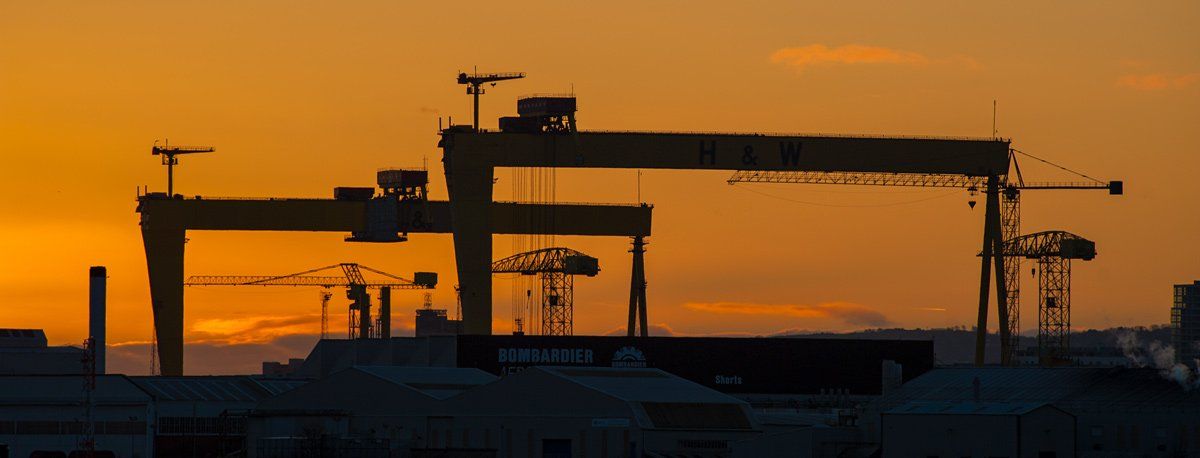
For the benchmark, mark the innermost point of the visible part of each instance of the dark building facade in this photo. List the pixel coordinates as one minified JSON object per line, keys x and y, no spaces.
{"x":1185,"y":323}
{"x":738,"y":366}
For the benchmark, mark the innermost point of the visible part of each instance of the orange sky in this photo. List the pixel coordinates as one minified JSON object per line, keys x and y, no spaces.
{"x":300,"y":97}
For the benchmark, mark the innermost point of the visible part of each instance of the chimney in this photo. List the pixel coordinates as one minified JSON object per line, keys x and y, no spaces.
{"x":97,"y":296}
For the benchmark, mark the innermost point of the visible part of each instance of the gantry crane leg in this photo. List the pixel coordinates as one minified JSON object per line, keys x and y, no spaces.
{"x":637,"y":289}
{"x":164,"y":263}
{"x":1010,"y":216}
{"x":991,"y":253}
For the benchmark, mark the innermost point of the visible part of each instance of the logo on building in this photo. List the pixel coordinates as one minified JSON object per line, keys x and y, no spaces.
{"x":628,"y":357}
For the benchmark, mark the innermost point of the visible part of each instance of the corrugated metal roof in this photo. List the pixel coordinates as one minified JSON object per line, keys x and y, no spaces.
{"x":1069,"y":388}
{"x":203,"y":388}
{"x":967,"y":408}
{"x":638,"y":384}
{"x":436,"y":382}
{"x":275,"y":386}
{"x":68,"y":390}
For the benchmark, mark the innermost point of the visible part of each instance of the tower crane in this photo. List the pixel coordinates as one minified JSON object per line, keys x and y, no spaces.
{"x":168,"y":154}
{"x":475,"y":80}
{"x":557,"y":268}
{"x":351,"y":277}
{"x":1053,"y":251}
{"x":1003,"y":224}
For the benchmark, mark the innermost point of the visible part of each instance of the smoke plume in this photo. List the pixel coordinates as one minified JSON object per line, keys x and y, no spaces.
{"x":1159,"y":356}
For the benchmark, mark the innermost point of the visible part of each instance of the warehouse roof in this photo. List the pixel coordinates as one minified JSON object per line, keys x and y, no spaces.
{"x":668,"y":401}
{"x":1070,"y":388}
{"x":213,"y":388}
{"x":68,"y":390}
{"x":966,"y":408}
{"x":641,"y":384}
{"x":435,"y":382}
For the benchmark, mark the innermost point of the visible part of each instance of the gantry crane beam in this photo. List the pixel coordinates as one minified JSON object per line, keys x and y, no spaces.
{"x":165,"y":222}
{"x":471,"y":157}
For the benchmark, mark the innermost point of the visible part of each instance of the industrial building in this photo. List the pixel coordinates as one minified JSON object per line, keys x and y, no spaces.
{"x":131,"y":416}
{"x":49,"y":413}
{"x":25,"y":351}
{"x":760,"y":370}
{"x":540,"y":411}
{"x":358,"y":410}
{"x":1185,"y":324}
{"x":205,"y":415}
{"x":1112,"y":411}
{"x":978,"y":429}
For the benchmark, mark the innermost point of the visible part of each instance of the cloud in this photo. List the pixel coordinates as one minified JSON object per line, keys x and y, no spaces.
{"x":820,"y":55}
{"x":252,"y":329}
{"x":210,"y":358}
{"x":1158,"y":81}
{"x":847,"y":312}
{"x":656,"y":329}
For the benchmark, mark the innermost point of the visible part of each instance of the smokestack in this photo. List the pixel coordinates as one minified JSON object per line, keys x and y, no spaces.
{"x":97,"y":309}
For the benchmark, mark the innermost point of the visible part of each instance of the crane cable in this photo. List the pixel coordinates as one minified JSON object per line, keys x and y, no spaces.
{"x":1055,"y":165}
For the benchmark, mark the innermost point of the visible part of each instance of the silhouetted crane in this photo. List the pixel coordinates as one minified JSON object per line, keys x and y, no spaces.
{"x":557,"y":268}
{"x":351,"y":278}
{"x":168,"y":154}
{"x":1003,"y":223}
{"x":475,"y":79}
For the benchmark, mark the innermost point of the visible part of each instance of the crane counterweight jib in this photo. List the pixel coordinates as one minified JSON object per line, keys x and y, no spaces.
{"x":1051,"y":244}
{"x":480,"y":78}
{"x":557,"y":259}
{"x":157,"y":150}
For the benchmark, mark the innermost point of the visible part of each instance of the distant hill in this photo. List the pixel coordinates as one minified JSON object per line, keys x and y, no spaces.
{"x":957,"y":345}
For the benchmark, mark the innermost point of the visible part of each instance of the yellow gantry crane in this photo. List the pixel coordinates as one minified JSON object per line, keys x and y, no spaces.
{"x":361,"y":326}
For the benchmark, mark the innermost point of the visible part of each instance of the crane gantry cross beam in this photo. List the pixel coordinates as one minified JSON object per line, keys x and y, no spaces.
{"x":165,"y":221}
{"x":471,"y":157}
